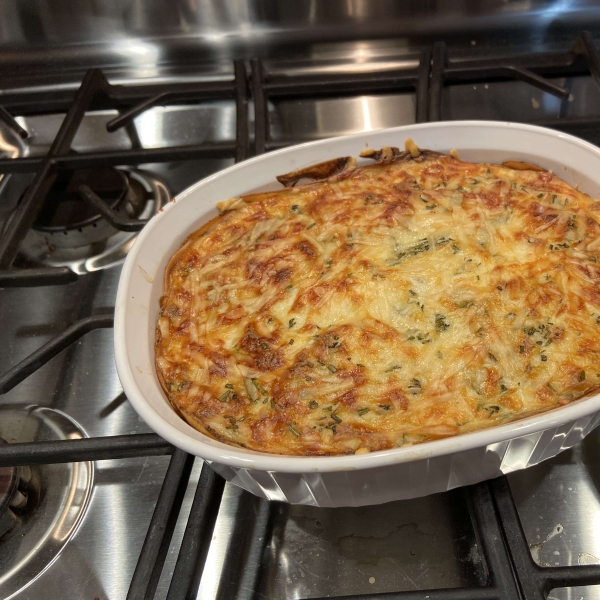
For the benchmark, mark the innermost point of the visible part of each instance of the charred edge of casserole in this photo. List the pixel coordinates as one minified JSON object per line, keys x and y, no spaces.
{"x":161,"y":378}
{"x":207,"y":430}
{"x":316,"y":172}
{"x":518,"y":165}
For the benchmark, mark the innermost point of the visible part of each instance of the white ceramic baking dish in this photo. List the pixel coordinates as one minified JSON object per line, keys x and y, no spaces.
{"x":357,"y":479}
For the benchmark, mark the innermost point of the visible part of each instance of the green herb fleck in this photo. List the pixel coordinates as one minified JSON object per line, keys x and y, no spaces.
{"x":465,"y":304}
{"x":313,"y":404}
{"x":440,"y":323}
{"x":582,"y":376}
{"x":291,"y":342}
{"x":226,"y":397}
{"x":311,"y":226}
{"x":332,"y":368}
{"x":291,"y":323}
{"x":294,"y":431}
{"x":363,"y":411}
{"x":385,"y":406}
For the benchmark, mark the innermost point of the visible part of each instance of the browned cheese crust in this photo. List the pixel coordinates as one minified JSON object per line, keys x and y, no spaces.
{"x":415,"y":298}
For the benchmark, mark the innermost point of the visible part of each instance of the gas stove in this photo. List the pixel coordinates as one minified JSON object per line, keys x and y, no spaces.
{"x":93,"y":505}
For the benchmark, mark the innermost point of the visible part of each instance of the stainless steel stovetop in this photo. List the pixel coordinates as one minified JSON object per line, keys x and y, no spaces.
{"x":86,"y":528}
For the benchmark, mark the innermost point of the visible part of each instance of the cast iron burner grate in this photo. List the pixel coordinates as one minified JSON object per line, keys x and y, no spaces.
{"x":511,"y":571}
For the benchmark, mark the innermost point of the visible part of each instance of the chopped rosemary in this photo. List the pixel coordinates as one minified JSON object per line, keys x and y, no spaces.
{"x":226,"y":397}
{"x":294,"y":431}
{"x":582,"y":376}
{"x":311,"y":226}
{"x":385,"y":406}
{"x":332,"y":368}
{"x":291,"y":323}
{"x":313,"y":404}
{"x":291,"y":342}
{"x":363,"y":411}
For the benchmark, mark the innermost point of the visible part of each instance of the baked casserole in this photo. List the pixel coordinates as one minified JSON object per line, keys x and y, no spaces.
{"x":414,"y":298}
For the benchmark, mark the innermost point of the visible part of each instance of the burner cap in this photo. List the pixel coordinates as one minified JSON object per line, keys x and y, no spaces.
{"x":63,"y":208}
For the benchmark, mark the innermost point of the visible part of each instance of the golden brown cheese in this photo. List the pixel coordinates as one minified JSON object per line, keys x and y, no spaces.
{"x":404,"y":301}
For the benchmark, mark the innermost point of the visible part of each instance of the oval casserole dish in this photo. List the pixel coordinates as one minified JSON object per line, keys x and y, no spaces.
{"x":352,"y":479}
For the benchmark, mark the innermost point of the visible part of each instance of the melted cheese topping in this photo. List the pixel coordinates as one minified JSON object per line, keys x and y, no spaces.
{"x":404,"y":301}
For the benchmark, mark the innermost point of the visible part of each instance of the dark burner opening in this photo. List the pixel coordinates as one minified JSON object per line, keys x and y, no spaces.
{"x":8,"y":486}
{"x":63,"y":208}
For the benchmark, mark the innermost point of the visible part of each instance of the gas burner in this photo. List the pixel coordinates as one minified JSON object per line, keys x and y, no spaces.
{"x":64,"y":211}
{"x":69,"y":232}
{"x":41,"y":507}
{"x":19,"y":495}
